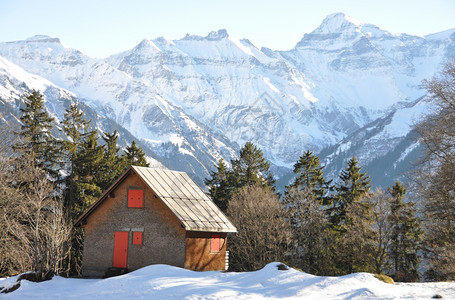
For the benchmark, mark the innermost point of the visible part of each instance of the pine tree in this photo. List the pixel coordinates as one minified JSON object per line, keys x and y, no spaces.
{"x":355,"y":241}
{"x":353,"y":187}
{"x":113,"y":165}
{"x":75,"y":128}
{"x":351,"y":221}
{"x":36,"y":136}
{"x":83,"y":159}
{"x":406,"y":236}
{"x":219,"y":185}
{"x":310,"y":176}
{"x":135,"y":156}
{"x":81,"y":188}
{"x":252,"y":168}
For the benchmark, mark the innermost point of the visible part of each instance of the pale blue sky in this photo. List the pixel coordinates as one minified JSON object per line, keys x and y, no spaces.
{"x":103,"y":27}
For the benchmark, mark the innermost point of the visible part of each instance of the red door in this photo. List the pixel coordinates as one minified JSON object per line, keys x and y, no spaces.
{"x":120,"y":249}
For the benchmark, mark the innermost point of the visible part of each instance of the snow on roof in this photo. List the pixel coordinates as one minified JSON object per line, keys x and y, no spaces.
{"x":195,"y":210}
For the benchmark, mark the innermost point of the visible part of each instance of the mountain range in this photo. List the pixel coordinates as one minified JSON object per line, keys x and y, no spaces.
{"x":347,"y":88}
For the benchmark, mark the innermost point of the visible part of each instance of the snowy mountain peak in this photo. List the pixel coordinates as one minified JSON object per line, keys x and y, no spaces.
{"x":336,"y":23}
{"x":338,"y":30}
{"x":212,"y":36}
{"x":443,"y":35}
{"x":44,"y":39}
{"x":217,"y":35}
{"x":146,"y":45}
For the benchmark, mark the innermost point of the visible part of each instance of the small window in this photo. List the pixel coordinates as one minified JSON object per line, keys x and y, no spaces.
{"x":137,"y":238}
{"x":135,"y":198}
{"x":215,"y":243}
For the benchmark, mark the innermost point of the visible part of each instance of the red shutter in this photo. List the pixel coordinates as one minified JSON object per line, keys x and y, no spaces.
{"x":137,"y":238}
{"x":215,"y":243}
{"x":135,"y":198}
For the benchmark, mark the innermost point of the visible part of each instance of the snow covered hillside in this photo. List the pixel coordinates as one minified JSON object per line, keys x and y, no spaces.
{"x":176,"y":151}
{"x":16,"y":82}
{"x":166,"y":282}
{"x":195,"y":100}
{"x":385,"y":146}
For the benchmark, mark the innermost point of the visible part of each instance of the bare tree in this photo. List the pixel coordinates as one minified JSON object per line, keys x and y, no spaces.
{"x":311,"y":237}
{"x":263,"y":232}
{"x":435,"y":176}
{"x":6,"y":132}
{"x":382,"y":229}
{"x":35,"y":231}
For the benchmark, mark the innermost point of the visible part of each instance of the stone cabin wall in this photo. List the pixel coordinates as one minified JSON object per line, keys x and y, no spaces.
{"x":163,"y":235}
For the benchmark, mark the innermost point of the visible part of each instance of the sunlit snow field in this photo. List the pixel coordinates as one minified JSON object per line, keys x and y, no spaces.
{"x":166,"y":282}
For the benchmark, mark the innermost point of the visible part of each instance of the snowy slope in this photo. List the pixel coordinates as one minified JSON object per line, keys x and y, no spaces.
{"x":384,"y":147}
{"x":178,"y":139}
{"x":198,"y":99}
{"x":366,"y":65}
{"x":165,"y":282}
{"x":336,"y":80}
{"x":16,"y":82}
{"x":227,"y":83}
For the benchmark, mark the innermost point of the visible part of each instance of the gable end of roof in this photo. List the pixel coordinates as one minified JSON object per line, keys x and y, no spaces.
{"x":183,"y":197}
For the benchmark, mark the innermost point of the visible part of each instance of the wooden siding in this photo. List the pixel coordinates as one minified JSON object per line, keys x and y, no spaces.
{"x":199,"y":256}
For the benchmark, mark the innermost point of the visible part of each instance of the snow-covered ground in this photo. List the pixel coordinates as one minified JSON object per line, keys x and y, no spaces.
{"x":166,"y":282}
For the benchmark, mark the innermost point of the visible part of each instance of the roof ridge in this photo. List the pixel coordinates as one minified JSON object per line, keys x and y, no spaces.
{"x":154,"y":168}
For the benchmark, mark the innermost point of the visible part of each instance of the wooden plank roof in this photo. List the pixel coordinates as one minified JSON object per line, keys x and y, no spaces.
{"x":195,"y":210}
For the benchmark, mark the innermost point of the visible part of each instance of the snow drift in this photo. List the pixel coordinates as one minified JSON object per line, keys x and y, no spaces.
{"x":166,"y":282}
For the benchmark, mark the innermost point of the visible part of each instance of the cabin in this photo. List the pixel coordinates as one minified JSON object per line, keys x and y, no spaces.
{"x":153,"y":216}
